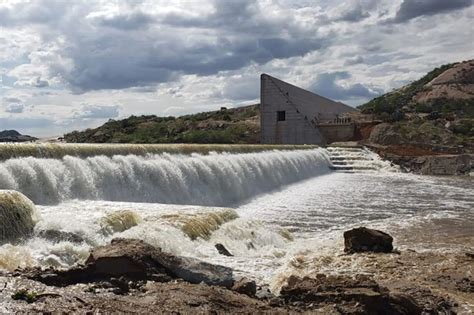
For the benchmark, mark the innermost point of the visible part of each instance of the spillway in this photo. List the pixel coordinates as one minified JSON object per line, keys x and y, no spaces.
{"x":60,"y":150}
{"x":216,"y":175}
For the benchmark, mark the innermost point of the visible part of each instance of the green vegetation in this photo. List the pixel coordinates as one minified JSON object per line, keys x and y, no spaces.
{"x":234,"y":126}
{"x":402,"y":100}
{"x":25,"y":295}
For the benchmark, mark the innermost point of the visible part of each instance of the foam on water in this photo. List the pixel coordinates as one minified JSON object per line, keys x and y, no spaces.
{"x":213,"y":179}
{"x":301,"y":195}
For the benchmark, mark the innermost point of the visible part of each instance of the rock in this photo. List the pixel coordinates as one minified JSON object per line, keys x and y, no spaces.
{"x":445,"y":164}
{"x":196,"y":271}
{"x":404,"y":304}
{"x":367,"y":240}
{"x":222,"y":250}
{"x":385,"y":134}
{"x":60,"y":236}
{"x":137,"y":260}
{"x":119,"y":221}
{"x":18,"y":216}
{"x":361,"y":293}
{"x":245,"y":286}
{"x":130,"y":257}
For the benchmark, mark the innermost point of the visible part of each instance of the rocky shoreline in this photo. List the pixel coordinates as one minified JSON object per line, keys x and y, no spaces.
{"x":421,"y":161}
{"x":131,"y":276}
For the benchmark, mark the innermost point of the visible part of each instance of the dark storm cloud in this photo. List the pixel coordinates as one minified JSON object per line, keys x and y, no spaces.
{"x":326,"y":85}
{"x":107,"y":52}
{"x":109,"y":59}
{"x":410,"y":9}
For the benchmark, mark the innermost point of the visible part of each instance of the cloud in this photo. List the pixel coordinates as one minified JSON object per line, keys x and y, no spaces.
{"x":329,"y":85}
{"x":242,"y":88}
{"x":11,"y":100}
{"x":129,"y":21}
{"x":410,"y":9}
{"x":25,"y":123}
{"x":93,"y":55}
{"x":98,"y":111}
{"x":15,"y":108}
{"x":355,"y":14}
{"x":64,"y":63}
{"x":354,"y":61}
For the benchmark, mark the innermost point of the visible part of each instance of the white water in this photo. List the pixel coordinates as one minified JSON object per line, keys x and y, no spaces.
{"x":270,"y":191}
{"x":214,"y":179}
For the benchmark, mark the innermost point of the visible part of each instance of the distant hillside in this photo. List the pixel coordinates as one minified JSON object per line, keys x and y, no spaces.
{"x":435,"y":113}
{"x":14,"y":136}
{"x":448,"y":89}
{"x":234,"y":125}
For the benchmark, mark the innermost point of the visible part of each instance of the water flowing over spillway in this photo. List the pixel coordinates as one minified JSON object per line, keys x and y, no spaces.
{"x":287,"y":204}
{"x":211,"y":179}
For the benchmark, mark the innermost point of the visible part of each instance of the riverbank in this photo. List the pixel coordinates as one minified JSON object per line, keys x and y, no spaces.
{"x":406,"y":281}
{"x":423,"y":161}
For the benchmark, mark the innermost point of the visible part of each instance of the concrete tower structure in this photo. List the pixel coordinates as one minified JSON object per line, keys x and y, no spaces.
{"x":291,"y":115}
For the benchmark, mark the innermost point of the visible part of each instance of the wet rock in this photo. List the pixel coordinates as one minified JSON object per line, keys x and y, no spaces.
{"x":264,"y":293}
{"x":119,"y":221}
{"x":196,"y":271}
{"x":367,"y":240}
{"x":137,"y":260}
{"x":18,"y":216}
{"x":60,"y":236}
{"x":360,"y":293}
{"x":245,"y":286}
{"x":404,"y":304}
{"x":222,"y":250}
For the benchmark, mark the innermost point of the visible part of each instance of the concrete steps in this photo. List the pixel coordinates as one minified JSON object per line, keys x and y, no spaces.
{"x":351,"y":159}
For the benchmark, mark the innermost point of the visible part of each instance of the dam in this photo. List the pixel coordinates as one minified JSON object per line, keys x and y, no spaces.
{"x":273,"y":207}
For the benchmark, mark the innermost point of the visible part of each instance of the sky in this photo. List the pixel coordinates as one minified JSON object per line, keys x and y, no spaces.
{"x":70,"y":65}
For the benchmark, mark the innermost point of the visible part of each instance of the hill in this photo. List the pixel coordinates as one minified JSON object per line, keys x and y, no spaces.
{"x":14,"y":136}
{"x":448,"y":89}
{"x":433,"y":114}
{"x":234,"y":125}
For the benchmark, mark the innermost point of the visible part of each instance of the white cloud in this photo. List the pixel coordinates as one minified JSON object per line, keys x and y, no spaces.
{"x":69,"y":64}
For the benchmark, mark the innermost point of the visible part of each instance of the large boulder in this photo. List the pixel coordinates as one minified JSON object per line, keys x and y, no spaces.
{"x":363,"y":239}
{"x":137,"y":260}
{"x":18,"y":216}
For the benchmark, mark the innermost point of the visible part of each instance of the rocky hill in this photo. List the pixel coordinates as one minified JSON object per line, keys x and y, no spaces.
{"x":428,"y":125}
{"x":446,"y":91}
{"x":14,"y":136}
{"x":434,"y":114}
{"x":234,"y":125}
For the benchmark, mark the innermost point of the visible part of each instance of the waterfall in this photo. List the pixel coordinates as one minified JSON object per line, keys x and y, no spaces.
{"x":59,"y":150}
{"x":212,"y":178}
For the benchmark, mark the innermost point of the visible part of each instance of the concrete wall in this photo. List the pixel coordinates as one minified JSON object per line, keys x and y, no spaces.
{"x":296,"y":129}
{"x":334,"y":133}
{"x":303,"y":110}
